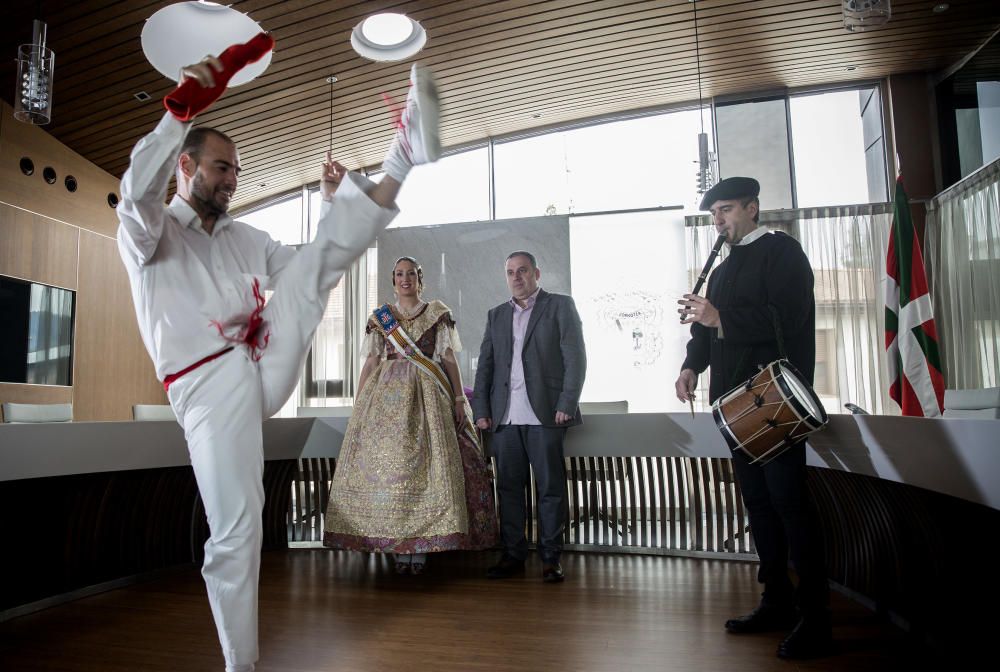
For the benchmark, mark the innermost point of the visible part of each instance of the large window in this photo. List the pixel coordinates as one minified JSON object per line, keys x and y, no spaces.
{"x":634,"y":163}
{"x":334,"y":361}
{"x":621,"y":189}
{"x":753,"y":141}
{"x":454,"y":189}
{"x":835,"y":164}
{"x":326,"y":363}
{"x":807,"y":150}
{"x":283,"y":220}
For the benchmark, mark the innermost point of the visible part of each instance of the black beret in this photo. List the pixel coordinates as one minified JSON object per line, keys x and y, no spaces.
{"x":730,"y":189}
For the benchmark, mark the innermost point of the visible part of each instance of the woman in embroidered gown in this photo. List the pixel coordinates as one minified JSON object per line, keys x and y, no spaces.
{"x":411,"y":478}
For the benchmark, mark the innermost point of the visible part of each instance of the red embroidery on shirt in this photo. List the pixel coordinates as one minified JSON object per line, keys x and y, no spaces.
{"x":249,"y":334}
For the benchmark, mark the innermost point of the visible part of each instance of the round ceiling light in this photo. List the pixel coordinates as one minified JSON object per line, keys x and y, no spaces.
{"x":388,"y":37}
{"x":185,"y":32}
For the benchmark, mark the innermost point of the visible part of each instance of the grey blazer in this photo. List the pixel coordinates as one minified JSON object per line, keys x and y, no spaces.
{"x":554,"y":357}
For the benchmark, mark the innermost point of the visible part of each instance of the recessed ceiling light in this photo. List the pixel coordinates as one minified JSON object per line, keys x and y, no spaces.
{"x":536,"y":115}
{"x":851,"y":67}
{"x":141,"y":96}
{"x":387,"y":29}
{"x":388,"y":37}
{"x":941,"y":7}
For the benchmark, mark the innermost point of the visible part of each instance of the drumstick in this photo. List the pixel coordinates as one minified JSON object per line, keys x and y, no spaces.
{"x":691,"y":401}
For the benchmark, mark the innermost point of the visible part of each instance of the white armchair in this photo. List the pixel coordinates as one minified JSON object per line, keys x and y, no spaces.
{"x":972,"y":403}
{"x":146,"y":412}
{"x":603,"y":407}
{"x":324,"y":411}
{"x":23,"y":413}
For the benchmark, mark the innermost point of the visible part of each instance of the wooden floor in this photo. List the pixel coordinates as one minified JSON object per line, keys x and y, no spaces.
{"x":326,"y":611}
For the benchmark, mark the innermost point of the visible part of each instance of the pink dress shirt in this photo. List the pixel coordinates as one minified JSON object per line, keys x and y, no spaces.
{"x":519,"y":410}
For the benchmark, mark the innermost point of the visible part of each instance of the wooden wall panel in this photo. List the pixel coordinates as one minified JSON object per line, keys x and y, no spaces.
{"x":53,"y":236}
{"x":35,"y":394}
{"x":38,"y":249}
{"x":87,"y":207}
{"x":112,"y":370}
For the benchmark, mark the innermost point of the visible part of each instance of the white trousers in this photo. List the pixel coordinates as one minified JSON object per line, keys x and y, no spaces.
{"x":221,"y":406}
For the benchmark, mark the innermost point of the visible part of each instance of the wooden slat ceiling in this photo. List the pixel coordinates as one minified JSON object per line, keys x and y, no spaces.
{"x":504,"y":66}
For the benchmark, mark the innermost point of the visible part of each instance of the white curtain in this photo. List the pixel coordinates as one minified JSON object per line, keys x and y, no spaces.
{"x":359,"y":288}
{"x":963,"y":257}
{"x":846,"y":246}
{"x":336,"y":352}
{"x":325,"y":379}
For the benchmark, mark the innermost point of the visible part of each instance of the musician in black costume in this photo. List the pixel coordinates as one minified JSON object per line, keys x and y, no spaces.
{"x":760,"y":308}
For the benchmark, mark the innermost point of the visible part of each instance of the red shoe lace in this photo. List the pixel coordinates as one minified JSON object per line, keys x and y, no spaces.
{"x":397,"y":113}
{"x":396,"y":109}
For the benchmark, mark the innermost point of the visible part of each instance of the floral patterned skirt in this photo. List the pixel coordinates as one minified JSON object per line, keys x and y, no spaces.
{"x":408,"y":481}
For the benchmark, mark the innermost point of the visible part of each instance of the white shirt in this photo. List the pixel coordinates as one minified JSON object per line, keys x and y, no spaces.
{"x":183,"y":278}
{"x":759,"y":232}
{"x":519,"y":411}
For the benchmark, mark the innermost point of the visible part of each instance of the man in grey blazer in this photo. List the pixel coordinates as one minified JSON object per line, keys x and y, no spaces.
{"x":532,"y":364}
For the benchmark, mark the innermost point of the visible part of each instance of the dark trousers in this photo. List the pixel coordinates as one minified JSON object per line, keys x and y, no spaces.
{"x":516,"y":447}
{"x":783,"y":524}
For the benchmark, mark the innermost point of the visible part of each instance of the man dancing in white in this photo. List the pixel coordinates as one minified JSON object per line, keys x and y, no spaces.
{"x":226,"y":359}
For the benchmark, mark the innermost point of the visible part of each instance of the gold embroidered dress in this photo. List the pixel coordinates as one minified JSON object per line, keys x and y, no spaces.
{"x":408,"y":480}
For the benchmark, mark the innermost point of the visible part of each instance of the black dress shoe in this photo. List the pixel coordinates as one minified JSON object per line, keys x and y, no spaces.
{"x":507,"y":567}
{"x":765,"y":618}
{"x":811,"y":638}
{"x":553,"y":573}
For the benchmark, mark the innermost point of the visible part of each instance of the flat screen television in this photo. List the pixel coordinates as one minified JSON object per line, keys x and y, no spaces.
{"x":36,"y":333}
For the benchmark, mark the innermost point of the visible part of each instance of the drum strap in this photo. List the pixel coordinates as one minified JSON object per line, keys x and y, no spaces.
{"x":778,"y":336}
{"x":734,"y":377}
{"x":776,"y":319}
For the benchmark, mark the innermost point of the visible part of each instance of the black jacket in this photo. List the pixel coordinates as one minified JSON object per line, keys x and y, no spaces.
{"x":766,"y":283}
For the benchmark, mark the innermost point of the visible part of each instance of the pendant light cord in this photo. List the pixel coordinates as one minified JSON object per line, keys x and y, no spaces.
{"x":331,"y":79}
